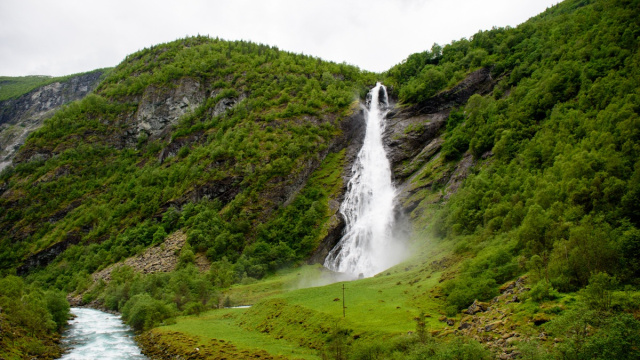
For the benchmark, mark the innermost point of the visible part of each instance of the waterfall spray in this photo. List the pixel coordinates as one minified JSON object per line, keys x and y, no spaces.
{"x":367,"y":246}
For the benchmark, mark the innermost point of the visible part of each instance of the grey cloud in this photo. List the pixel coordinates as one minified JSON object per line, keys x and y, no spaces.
{"x":68,"y":36}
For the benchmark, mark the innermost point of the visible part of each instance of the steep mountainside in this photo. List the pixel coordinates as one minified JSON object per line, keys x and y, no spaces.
{"x":515,"y":153}
{"x":554,"y":146}
{"x":219,"y":137}
{"x":22,"y":114}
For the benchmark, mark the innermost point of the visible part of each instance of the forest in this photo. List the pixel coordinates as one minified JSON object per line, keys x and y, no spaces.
{"x":553,"y":194}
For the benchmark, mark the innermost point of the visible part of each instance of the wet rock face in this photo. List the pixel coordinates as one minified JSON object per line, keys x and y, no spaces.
{"x":44,"y":257}
{"x":353,"y":130}
{"x":410,"y":131}
{"x":24,"y":114}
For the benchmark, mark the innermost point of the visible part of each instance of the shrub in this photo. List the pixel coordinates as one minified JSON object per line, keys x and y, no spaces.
{"x":541,"y":291}
{"x":142,"y":312}
{"x":598,"y":295}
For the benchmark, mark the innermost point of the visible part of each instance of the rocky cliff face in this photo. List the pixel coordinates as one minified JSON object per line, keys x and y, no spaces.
{"x":413,"y":137}
{"x":353,"y":130}
{"x":412,"y":133}
{"x":161,"y":107}
{"x":20,"y":116}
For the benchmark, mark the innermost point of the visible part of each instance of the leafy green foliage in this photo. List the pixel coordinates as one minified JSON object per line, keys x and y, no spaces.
{"x":116,"y":200}
{"x":617,"y":336}
{"x":598,"y":295}
{"x":147,"y":301}
{"x":561,"y":132}
{"x":542,"y":291}
{"x":142,"y":312}
{"x":30,"y":318}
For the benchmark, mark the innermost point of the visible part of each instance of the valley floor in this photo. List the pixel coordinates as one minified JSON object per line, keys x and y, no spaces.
{"x":297,"y":314}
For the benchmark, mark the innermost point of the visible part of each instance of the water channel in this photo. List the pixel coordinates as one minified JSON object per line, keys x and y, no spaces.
{"x":94,"y":334}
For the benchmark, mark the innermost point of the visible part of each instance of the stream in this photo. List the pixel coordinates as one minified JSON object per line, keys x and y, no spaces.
{"x":95,"y":334}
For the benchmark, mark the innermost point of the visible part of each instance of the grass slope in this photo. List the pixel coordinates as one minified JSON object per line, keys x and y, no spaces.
{"x":11,"y":87}
{"x":294,"y":315}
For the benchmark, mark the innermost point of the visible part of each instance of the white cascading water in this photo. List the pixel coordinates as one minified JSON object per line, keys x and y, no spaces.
{"x":367,"y":246}
{"x":94,"y":334}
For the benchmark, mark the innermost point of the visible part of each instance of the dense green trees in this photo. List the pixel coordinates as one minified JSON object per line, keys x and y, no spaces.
{"x":114,"y":197}
{"x":554,"y":191}
{"x":30,"y":319}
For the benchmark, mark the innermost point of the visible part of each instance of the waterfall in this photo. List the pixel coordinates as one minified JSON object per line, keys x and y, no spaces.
{"x":367,"y":246}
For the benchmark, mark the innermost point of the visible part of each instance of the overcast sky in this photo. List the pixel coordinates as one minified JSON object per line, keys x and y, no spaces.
{"x":61,"y":37}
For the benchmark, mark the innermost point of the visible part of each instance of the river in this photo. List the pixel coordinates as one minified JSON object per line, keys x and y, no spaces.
{"x":95,"y":334}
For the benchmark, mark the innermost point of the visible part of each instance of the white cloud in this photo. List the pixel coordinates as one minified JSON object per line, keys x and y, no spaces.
{"x":68,"y":36}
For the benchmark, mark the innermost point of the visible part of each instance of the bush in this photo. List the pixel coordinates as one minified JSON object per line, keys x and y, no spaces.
{"x":598,"y":295}
{"x":590,"y":336}
{"x":461,"y":349}
{"x":58,"y":307}
{"x":463,"y":291}
{"x":541,"y":291}
{"x":142,"y":312}
{"x":455,"y":145}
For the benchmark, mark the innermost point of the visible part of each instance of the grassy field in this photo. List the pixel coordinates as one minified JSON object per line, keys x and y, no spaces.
{"x":297,"y":312}
{"x":223,"y":325}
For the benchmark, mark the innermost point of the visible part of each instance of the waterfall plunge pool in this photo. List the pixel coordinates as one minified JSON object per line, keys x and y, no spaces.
{"x":95,"y":334}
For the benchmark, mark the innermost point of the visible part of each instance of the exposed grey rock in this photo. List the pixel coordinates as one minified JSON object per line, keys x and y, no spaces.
{"x":476,"y":307}
{"x":22,"y":115}
{"x":459,"y":174}
{"x":161,"y":107}
{"x":409,"y":130}
{"x":353,"y":130}
{"x":225,"y":104}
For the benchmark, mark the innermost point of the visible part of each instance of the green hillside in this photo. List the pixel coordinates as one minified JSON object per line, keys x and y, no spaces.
{"x":557,"y":144}
{"x":540,"y":232}
{"x":88,"y":183}
{"x":11,"y":87}
{"x":95,"y":189}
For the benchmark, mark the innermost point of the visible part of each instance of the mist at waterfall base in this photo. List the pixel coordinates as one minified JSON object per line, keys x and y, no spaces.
{"x":369,"y":244}
{"x":94,"y":334}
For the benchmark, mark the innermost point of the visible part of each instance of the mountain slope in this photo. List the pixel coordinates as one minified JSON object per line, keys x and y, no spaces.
{"x":237,"y":125}
{"x":515,"y":152}
{"x":555,"y":144}
{"x":24,"y":109}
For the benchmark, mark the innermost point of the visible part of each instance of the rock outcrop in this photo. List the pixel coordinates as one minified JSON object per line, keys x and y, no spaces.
{"x":160,"y":258}
{"x":161,"y":107}
{"x":352,"y":136}
{"x":22,"y":115}
{"x":412,"y":133}
{"x":493,"y":323}
{"x":44,"y":257}
{"x":412,"y":137}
